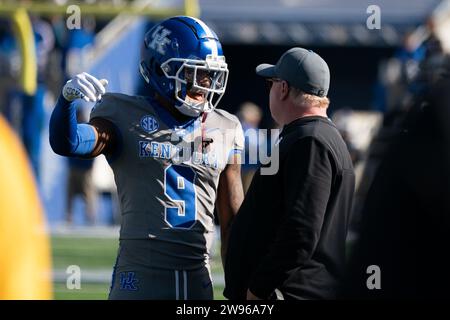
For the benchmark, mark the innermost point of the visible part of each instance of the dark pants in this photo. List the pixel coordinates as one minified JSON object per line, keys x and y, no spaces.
{"x":143,"y":283}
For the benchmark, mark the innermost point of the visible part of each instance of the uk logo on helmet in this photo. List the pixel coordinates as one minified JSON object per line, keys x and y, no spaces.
{"x":149,"y":124}
{"x":160,"y":40}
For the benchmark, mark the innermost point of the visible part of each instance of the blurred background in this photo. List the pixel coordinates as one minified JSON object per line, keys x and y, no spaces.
{"x":378,"y":67}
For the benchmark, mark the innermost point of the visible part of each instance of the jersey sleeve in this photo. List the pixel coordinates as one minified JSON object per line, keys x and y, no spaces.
{"x":237,"y":144}
{"x":109,"y":109}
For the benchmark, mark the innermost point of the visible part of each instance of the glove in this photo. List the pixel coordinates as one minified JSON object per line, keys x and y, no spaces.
{"x":84,"y":86}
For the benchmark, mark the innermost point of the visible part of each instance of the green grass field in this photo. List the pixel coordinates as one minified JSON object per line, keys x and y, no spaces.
{"x":99,"y":291}
{"x":96,"y":256}
{"x":88,"y":253}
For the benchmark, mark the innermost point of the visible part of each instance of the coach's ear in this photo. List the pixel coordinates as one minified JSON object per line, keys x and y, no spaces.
{"x":284,"y":93}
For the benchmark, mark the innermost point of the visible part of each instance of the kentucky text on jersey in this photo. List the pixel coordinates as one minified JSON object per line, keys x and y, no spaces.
{"x":176,"y":153}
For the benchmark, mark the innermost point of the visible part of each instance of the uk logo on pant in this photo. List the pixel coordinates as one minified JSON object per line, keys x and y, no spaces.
{"x":128,"y":281}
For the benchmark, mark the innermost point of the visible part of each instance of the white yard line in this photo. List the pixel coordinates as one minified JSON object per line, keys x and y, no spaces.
{"x":85,"y":232}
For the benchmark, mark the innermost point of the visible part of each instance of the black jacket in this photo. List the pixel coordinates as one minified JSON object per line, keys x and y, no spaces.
{"x":291,"y":229}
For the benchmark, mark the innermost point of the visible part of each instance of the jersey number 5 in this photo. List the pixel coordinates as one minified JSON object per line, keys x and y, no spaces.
{"x":180,"y":188}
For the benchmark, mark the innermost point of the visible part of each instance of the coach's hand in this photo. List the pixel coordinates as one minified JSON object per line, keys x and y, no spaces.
{"x":84,"y":86}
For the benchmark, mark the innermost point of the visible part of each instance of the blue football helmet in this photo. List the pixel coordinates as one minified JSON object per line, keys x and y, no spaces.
{"x":182,"y":60}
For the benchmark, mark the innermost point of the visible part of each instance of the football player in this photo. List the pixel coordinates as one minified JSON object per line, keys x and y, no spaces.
{"x":174,"y":156}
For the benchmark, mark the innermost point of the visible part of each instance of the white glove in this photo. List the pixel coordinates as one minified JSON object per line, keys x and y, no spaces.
{"x":84,"y":86}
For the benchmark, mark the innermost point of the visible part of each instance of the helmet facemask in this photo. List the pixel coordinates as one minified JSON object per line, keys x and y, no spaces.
{"x":199,"y":84}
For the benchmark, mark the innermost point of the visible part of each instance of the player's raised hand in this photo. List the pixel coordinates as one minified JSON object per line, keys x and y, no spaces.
{"x":84,"y":86}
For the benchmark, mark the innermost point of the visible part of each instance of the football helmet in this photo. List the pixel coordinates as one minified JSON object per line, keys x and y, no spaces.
{"x":182,"y":60}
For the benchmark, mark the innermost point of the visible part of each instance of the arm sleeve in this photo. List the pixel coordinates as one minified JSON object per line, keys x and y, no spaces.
{"x":307,"y":180}
{"x":67,"y":137}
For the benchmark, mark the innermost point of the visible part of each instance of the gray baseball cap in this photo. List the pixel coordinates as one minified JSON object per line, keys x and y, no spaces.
{"x":302,"y":69}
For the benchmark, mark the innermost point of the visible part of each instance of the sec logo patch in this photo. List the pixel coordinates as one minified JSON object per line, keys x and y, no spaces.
{"x":149,"y":124}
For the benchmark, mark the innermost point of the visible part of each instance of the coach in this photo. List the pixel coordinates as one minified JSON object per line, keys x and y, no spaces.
{"x":288,"y":238}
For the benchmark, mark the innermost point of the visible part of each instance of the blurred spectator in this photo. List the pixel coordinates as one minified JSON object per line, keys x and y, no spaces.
{"x":355,"y":154}
{"x":77,"y":45}
{"x":250,"y":116}
{"x":406,"y":214}
{"x":404,"y":80}
{"x":432,"y":43}
{"x":8,"y":63}
{"x":26,"y":112}
{"x":410,"y":55}
{"x":105,"y":187}
{"x":33,"y":105}
{"x":399,"y":78}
